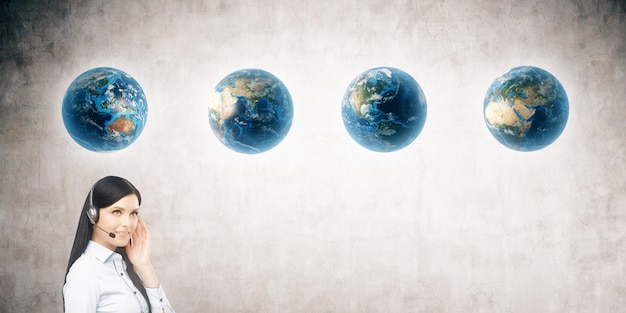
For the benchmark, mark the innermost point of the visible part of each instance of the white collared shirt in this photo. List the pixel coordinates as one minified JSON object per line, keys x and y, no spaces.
{"x":98,"y":282}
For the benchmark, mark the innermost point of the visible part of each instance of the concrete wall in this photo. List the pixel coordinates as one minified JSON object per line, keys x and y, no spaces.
{"x":455,"y":222}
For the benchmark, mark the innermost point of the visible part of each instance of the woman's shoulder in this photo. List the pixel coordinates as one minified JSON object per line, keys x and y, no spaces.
{"x":83,"y":268}
{"x":82,"y":285}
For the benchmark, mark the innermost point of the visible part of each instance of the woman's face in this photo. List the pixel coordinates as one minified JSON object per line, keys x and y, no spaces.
{"x":121,"y":219}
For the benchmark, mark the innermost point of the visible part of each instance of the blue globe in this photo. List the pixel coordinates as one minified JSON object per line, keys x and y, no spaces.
{"x":384,"y":109}
{"x":104,"y":109}
{"x":526,"y":108}
{"x":250,"y":111}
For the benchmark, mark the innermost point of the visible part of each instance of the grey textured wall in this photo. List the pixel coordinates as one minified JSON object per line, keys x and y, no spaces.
{"x":453,"y":223}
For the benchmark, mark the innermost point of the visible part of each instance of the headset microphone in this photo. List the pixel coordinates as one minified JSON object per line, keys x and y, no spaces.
{"x":112,"y":235}
{"x":92,"y":213}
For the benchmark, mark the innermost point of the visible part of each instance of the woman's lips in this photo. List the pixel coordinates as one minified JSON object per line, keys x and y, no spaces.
{"x":123,"y":233}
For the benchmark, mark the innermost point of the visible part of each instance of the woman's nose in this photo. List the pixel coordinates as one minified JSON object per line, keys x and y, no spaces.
{"x":125,"y":220}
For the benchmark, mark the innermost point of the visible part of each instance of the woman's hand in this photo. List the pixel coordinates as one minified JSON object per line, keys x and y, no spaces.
{"x":138,"y":249}
{"x":138,"y":252}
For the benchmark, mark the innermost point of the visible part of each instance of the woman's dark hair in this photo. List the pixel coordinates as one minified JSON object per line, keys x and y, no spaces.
{"x":104,"y":193}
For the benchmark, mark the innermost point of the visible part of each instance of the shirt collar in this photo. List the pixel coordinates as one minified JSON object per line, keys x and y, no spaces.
{"x":99,"y":251}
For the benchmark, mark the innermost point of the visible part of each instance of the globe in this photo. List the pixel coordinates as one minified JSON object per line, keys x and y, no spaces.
{"x":526,"y":108}
{"x":104,"y":109}
{"x":384,"y":109}
{"x":250,"y":111}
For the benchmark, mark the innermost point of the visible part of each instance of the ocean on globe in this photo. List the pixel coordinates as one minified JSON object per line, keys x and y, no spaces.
{"x":384,"y":109}
{"x":526,"y":108}
{"x":250,"y":111}
{"x":104,"y":109}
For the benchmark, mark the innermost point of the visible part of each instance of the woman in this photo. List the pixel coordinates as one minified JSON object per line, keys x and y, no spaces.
{"x":109,"y":269}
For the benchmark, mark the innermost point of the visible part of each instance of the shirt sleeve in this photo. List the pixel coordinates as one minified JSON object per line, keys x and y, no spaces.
{"x":80,"y":292}
{"x":158,"y":300}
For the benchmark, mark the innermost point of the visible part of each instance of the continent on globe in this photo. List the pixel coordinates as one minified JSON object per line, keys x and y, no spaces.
{"x":104,"y":109}
{"x":123,"y":125}
{"x":384,"y":109}
{"x":251,"y":111}
{"x":526,"y":108}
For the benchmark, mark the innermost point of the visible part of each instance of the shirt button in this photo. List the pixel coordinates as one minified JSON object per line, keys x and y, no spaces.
{"x":121,"y":274}
{"x":134,"y":292}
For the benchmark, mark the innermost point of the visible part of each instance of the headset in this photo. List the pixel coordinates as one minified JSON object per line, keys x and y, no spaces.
{"x":92,"y":212}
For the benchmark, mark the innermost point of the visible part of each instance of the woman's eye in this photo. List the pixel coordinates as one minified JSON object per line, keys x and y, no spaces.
{"x":134,"y":213}
{"x":116,"y":212}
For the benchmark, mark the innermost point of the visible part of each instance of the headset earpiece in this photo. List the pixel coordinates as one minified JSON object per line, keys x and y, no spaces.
{"x":92,"y":212}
